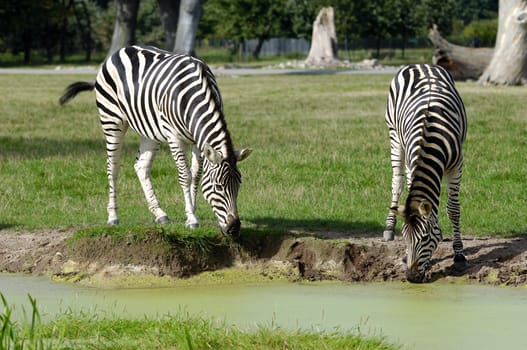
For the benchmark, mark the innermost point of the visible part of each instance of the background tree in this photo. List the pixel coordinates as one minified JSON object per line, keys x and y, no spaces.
{"x":189,"y":16}
{"x":379,"y":20}
{"x":473,"y":10}
{"x":125,"y":24}
{"x":179,"y":19}
{"x":169,"y":14}
{"x":509,"y":62}
{"x":247,"y":19}
{"x":439,"y":12}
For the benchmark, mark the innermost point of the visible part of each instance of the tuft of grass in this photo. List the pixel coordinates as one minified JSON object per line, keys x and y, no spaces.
{"x":200,"y":240}
{"x":183,"y":331}
{"x":27,"y":335}
{"x":320,"y":161}
{"x":89,"y":330}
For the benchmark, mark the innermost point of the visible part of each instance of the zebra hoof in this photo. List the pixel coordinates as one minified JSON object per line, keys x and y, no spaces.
{"x":192,"y":226}
{"x":113,"y":222}
{"x":460,"y":262}
{"x":388,"y":235}
{"x":162,"y":220}
{"x":460,"y":258}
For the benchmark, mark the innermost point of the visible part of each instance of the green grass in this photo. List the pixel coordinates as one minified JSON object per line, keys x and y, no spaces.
{"x":320,"y":161}
{"x":89,"y":330}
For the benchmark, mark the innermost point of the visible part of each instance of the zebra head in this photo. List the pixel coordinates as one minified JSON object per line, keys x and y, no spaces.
{"x":421,"y":232}
{"x":220,"y":184}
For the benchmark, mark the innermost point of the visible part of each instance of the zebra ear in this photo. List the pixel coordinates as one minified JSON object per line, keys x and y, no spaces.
{"x":242,"y":154}
{"x":425,"y":209}
{"x":398,"y":210}
{"x":212,"y":155}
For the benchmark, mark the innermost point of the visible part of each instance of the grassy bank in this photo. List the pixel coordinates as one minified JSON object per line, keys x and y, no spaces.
{"x":85,"y":330}
{"x":320,"y":161}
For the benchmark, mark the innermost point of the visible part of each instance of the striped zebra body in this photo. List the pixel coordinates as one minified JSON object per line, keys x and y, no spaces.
{"x":174,"y":99}
{"x":427,"y":126}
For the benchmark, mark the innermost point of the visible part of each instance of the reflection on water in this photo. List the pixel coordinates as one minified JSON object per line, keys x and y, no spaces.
{"x":432,"y":316}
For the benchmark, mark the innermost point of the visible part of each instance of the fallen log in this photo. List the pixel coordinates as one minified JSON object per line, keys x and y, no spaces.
{"x":462,"y":62}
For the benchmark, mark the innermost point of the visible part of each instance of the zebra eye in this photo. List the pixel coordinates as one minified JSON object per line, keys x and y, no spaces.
{"x":218,"y":187}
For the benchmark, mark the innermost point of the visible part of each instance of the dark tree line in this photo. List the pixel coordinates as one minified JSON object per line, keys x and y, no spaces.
{"x":69,"y":26}
{"x":63,"y":27}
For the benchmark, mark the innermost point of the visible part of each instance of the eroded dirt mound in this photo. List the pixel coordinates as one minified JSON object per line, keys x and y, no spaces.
{"x":491,"y":260}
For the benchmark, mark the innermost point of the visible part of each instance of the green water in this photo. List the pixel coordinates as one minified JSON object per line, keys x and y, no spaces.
{"x":430,"y":316}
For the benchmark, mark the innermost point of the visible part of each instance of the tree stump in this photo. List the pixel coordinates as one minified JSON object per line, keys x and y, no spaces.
{"x":509,"y":62}
{"x":323,"y":51}
{"x":462,"y":62}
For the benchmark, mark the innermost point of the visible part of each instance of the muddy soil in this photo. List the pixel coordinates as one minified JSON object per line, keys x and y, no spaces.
{"x":496,"y":261}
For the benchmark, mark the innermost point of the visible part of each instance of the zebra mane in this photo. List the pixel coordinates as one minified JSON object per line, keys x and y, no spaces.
{"x":419,"y":145}
{"x":422,"y":133}
{"x":211,"y":79}
{"x":216,"y":96}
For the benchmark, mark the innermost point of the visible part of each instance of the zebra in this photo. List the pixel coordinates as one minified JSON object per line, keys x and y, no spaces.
{"x":427,"y":126}
{"x":168,"y":98}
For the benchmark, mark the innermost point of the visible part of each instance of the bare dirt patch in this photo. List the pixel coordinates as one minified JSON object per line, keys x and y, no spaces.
{"x":297,"y":257}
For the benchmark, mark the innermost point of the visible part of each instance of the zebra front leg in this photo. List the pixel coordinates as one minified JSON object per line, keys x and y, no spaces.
{"x":143,"y":169}
{"x":453,"y":180}
{"x":397,"y":187}
{"x":391,"y":219}
{"x":179,"y":150}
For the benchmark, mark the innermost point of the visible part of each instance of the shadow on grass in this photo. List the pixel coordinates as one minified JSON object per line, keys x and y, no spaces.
{"x":37,"y":147}
{"x":4,"y":226}
{"x":320,"y":227}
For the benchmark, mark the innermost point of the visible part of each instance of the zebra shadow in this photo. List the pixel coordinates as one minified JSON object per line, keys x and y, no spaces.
{"x":41,"y":147}
{"x":322,"y":228}
{"x":485,"y":255}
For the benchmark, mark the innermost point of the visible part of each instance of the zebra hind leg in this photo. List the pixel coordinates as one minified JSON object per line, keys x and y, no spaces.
{"x":113,"y":151}
{"x":143,"y":169}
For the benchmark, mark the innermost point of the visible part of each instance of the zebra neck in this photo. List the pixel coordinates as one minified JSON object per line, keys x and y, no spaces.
{"x":424,"y":187}
{"x":216,"y":136}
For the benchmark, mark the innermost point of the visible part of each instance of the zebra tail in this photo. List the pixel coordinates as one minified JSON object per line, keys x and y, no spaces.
{"x":73,"y":89}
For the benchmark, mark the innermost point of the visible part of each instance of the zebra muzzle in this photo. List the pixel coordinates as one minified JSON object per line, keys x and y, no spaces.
{"x":232,"y":226}
{"x":413,"y":275}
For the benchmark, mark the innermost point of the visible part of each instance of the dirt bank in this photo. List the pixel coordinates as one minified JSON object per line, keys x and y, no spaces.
{"x":491,"y":260}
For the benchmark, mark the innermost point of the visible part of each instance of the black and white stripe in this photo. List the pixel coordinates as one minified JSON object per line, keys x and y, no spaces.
{"x":427,"y":126}
{"x":171,"y":98}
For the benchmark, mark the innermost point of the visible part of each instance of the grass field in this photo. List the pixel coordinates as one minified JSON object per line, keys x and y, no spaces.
{"x":320,"y":161}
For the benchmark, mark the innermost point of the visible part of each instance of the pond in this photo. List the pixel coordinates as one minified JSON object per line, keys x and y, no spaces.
{"x":432,"y":316}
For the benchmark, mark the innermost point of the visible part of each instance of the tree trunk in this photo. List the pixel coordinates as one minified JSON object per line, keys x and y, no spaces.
{"x":509,"y":62}
{"x":256,"y":51}
{"x":323,"y":51}
{"x":169,"y":14}
{"x":462,"y":62}
{"x":187,"y":26}
{"x":27,"y":41}
{"x":125,"y":23}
